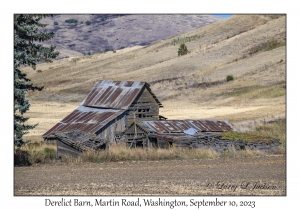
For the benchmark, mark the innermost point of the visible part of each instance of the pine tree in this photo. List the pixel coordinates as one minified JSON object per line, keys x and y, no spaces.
{"x":27,"y":52}
{"x":182,"y":50}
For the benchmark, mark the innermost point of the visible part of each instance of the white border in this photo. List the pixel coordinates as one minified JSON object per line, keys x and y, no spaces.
{"x":154,"y":6}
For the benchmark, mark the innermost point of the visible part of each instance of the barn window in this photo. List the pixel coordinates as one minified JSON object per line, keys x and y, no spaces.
{"x":143,"y":110}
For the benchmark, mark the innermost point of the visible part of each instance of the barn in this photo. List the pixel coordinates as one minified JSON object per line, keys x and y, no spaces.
{"x":107,"y":112}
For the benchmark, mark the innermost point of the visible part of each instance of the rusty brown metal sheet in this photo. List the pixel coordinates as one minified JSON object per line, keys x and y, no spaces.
{"x":179,"y":126}
{"x":85,"y":119}
{"x":113,"y":94}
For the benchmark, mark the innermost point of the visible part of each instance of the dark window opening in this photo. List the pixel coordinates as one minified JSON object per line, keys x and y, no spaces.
{"x":143,"y":110}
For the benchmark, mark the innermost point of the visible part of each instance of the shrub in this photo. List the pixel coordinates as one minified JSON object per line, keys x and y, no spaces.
{"x":71,"y":21}
{"x":33,"y":153}
{"x":21,"y":157}
{"x":55,"y":23}
{"x":182,"y":50}
{"x":88,"y":22}
{"x":229,"y":78}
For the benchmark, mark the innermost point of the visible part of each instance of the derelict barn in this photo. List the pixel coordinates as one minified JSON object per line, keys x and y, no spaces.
{"x":107,"y":112}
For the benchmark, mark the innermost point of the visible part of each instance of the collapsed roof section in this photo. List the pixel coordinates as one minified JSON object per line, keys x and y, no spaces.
{"x":81,"y":141}
{"x":185,"y":126}
{"x":115,"y":94}
{"x":86,"y":119}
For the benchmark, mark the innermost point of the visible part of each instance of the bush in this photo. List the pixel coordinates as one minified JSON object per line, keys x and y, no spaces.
{"x":182,"y":50}
{"x":34,"y":153}
{"x":55,"y":23}
{"x":71,"y":21}
{"x":88,"y":22}
{"x":229,"y":78}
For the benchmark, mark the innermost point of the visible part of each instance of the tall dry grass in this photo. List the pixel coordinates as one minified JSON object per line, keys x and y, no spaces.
{"x":40,"y":153}
{"x":34,"y":153}
{"x":119,"y":152}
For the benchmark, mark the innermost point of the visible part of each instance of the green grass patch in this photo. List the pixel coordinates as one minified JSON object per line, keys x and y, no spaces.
{"x":246,"y":137}
{"x":186,"y":39}
{"x":265,"y":133}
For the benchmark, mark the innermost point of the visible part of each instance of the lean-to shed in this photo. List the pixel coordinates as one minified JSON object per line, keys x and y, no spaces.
{"x":180,"y":132}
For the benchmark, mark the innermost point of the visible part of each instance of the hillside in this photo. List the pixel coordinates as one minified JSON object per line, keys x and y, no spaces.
{"x":251,"y":48}
{"x":89,"y":34}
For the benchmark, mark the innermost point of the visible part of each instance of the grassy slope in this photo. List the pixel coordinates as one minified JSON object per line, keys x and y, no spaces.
{"x":190,"y":86}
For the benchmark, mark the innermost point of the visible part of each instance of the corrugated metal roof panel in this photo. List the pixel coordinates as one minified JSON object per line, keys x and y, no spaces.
{"x":179,"y":126}
{"x":115,"y":94}
{"x":85,"y":119}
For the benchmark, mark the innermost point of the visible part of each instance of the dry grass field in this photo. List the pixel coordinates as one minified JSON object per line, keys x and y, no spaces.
{"x":251,"y":48}
{"x":160,"y":178}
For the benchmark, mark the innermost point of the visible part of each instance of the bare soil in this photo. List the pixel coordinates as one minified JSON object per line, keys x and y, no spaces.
{"x":222,"y":176}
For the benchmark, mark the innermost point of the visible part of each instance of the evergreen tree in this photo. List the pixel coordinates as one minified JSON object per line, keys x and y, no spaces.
{"x":27,"y":52}
{"x":182,"y":50}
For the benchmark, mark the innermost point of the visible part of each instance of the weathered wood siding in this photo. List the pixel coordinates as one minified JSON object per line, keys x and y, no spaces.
{"x":64,"y":149}
{"x":146,"y":108}
{"x":140,"y":139}
{"x":111,"y":129}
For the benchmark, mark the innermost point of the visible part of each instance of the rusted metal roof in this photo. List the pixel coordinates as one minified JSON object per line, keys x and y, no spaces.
{"x":115,"y":94}
{"x":179,"y":126}
{"x":86,"y":119}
